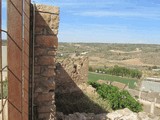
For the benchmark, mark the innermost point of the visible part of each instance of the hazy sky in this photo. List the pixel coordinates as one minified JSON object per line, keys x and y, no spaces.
{"x":109,"y":21}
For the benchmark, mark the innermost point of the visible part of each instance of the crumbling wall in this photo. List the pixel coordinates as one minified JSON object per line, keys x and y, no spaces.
{"x":71,"y":72}
{"x":46,"y":43}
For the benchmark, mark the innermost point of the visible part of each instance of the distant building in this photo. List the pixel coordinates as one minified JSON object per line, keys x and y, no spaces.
{"x":155,"y":70}
{"x":151,"y":84}
{"x":4,"y":62}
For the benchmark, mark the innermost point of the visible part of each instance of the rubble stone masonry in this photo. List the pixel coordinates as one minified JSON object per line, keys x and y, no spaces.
{"x":70,"y":73}
{"x":46,"y":43}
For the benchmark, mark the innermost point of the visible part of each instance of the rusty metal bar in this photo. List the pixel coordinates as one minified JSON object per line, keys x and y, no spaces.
{"x":3,"y":31}
{"x":4,"y":68}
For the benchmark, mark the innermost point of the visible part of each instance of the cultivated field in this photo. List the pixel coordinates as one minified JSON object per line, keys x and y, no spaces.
{"x":97,"y":76}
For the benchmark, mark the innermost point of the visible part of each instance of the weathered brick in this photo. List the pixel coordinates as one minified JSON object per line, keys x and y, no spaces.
{"x":45,"y":86}
{"x":47,"y":116}
{"x":47,"y":41}
{"x":45,"y":97}
{"x":45,"y":71}
{"x":53,"y":52}
{"x":40,"y":51}
{"x":46,"y":109}
{"x":46,"y":60}
{"x":37,"y":69}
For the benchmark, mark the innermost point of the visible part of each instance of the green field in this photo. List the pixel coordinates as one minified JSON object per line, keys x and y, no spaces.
{"x":96,"y":76}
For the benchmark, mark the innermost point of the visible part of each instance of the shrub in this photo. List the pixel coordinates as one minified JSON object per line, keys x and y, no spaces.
{"x":118,"y":99}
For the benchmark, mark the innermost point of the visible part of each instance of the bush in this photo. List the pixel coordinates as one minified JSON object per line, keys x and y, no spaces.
{"x":117,"y":99}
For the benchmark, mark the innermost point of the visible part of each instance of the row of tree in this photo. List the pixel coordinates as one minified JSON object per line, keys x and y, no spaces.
{"x":119,"y":71}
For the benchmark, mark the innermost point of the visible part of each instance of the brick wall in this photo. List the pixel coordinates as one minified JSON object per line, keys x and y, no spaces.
{"x":46,"y":43}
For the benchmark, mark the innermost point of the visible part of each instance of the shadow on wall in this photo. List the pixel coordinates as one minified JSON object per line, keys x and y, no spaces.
{"x":45,"y":46}
{"x":69,"y":98}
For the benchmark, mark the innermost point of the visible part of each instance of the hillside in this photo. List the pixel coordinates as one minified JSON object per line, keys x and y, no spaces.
{"x":137,"y":55}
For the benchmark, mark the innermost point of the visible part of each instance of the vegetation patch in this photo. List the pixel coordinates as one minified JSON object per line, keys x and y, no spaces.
{"x":120,"y":71}
{"x":96,"y":76}
{"x":118,"y":99}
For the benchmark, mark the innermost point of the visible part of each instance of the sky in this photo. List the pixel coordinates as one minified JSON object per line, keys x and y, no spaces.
{"x":108,"y":21}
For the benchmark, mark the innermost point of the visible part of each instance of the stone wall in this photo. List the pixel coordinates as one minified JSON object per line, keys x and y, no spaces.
{"x":70,"y":73}
{"x":46,"y":43}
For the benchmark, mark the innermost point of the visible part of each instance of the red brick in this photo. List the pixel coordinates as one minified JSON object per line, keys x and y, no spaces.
{"x":14,"y":17}
{"x":37,"y":69}
{"x":40,"y":51}
{"x":14,"y":91}
{"x":47,"y":41}
{"x":53,"y":52}
{"x":45,"y":97}
{"x":46,"y":109}
{"x":46,"y":60}
{"x":14,"y":114}
{"x":48,"y":72}
{"x":14,"y":59}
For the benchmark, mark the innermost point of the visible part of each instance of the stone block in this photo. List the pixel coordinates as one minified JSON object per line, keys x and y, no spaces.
{"x":47,"y":9}
{"x":54,"y":24}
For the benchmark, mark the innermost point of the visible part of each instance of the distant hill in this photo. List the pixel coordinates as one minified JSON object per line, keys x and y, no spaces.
{"x":109,"y":54}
